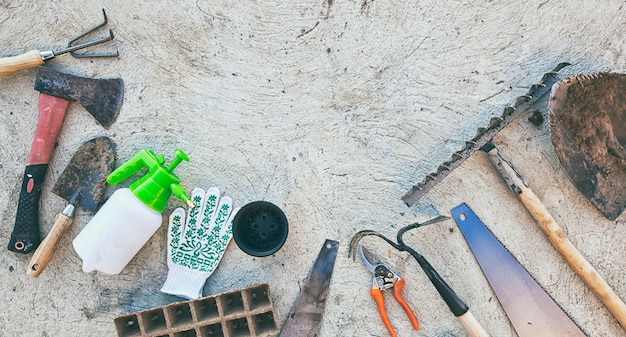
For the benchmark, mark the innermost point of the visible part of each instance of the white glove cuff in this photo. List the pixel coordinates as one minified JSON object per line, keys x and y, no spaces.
{"x":184,"y":282}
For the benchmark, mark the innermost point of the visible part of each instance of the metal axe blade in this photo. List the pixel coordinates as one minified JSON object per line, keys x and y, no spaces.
{"x":102,"y":98}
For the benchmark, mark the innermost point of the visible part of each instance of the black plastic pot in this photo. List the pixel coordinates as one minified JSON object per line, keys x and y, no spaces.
{"x":260,"y":228}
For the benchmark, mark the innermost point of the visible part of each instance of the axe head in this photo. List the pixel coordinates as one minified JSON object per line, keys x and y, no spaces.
{"x":102,"y":98}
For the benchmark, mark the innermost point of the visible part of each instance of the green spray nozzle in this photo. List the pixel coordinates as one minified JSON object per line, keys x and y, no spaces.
{"x":155,"y":187}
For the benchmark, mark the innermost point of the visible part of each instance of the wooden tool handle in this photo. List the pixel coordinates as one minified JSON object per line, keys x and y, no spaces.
{"x":29,"y":59}
{"x":559,"y":240}
{"x":471,"y":325}
{"x":44,"y":252}
{"x":574,"y":258}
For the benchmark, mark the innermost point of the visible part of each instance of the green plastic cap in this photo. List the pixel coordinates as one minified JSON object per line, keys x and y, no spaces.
{"x":155,"y":187}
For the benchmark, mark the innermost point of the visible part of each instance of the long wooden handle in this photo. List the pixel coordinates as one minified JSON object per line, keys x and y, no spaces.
{"x":29,"y":59}
{"x":471,"y":325}
{"x":560,"y":241}
{"x":44,"y":252}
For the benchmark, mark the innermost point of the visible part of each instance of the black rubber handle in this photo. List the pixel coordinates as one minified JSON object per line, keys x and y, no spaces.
{"x":456,"y":305}
{"x":26,"y":236}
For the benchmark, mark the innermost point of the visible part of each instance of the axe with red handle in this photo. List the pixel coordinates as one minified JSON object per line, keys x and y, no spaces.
{"x":102,"y":98}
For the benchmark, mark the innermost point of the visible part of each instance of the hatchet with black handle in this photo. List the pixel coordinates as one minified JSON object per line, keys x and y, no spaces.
{"x":102,"y":98}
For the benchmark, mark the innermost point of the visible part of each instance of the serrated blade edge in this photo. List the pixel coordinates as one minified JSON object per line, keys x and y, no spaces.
{"x":305,"y":318}
{"x":530,"y":309}
{"x":484,"y":135}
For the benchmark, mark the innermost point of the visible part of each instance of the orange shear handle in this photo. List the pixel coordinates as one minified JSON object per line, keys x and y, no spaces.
{"x":397,"y":293}
{"x":377,"y":294}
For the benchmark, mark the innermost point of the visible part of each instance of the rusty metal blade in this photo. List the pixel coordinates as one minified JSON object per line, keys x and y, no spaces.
{"x":588,"y":129}
{"x":529,"y":308}
{"x":305,"y":318}
{"x":83,"y":181}
{"x":484,"y":135}
{"x":102,"y":98}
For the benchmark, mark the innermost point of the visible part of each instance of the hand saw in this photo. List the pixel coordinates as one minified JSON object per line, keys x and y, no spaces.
{"x":529,"y":308}
{"x":305,"y":319}
{"x":485,"y":135}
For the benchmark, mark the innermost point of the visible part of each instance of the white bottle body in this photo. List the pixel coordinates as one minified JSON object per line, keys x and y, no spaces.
{"x":116,"y":233}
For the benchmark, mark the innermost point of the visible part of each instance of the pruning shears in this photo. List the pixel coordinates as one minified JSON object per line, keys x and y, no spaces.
{"x":384,"y":278}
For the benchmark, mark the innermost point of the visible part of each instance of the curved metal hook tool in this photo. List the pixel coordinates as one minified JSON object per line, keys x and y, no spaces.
{"x":456,"y":305}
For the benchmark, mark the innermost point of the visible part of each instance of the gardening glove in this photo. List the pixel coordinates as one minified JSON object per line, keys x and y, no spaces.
{"x":197,"y":241}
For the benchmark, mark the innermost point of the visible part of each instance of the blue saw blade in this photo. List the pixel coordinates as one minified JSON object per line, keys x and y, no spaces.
{"x":532,"y":312}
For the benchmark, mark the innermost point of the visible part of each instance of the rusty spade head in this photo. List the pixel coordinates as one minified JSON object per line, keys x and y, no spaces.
{"x":102,"y":98}
{"x":588,"y":129}
{"x":83,"y":182}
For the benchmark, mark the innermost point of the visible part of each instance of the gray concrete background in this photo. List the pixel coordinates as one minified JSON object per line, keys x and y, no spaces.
{"x":331,"y":110}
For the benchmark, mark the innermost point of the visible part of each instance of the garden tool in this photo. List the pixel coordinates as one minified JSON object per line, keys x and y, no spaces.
{"x":383,"y":279}
{"x":519,"y":186}
{"x":529,"y":308}
{"x":588,"y":129}
{"x":453,"y":301}
{"x":36,"y":58}
{"x":197,"y":241}
{"x":483,"y":141}
{"x":485,"y":135}
{"x":102,"y":98}
{"x":82,"y":184}
{"x":305,"y":318}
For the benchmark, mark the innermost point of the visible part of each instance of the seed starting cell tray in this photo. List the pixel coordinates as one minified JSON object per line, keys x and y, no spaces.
{"x":243,"y":313}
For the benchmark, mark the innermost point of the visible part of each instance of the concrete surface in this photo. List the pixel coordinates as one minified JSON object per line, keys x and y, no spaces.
{"x":332,"y":110}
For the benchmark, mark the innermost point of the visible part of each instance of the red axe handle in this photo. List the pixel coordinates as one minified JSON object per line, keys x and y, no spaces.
{"x":26,"y":236}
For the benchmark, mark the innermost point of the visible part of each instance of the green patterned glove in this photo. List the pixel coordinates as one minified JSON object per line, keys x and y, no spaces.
{"x":197,"y":241}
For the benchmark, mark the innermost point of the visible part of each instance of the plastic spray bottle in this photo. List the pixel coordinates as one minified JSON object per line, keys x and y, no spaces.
{"x":131,"y":215}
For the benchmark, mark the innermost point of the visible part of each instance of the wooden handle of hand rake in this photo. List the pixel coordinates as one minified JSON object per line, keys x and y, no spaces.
{"x":559,"y":240}
{"x":30,"y":59}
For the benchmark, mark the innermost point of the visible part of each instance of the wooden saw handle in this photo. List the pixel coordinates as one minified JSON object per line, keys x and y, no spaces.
{"x":44,"y":252}
{"x":29,"y":59}
{"x":559,"y":240}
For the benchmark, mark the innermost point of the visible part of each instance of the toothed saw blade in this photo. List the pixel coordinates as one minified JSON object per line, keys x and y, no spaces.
{"x":485,"y":135}
{"x":530,"y":309}
{"x":305,"y":318}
